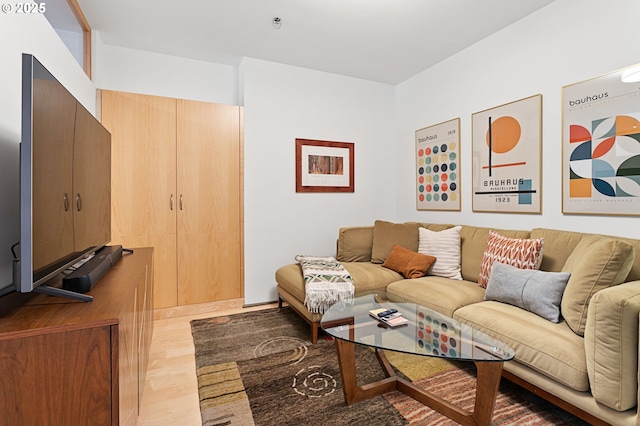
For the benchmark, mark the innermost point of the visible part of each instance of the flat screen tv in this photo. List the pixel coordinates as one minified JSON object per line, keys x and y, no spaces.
{"x":65,"y":183}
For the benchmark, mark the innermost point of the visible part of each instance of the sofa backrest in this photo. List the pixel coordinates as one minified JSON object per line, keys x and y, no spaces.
{"x":355,"y":245}
{"x":634,"y":275}
{"x":558,"y":245}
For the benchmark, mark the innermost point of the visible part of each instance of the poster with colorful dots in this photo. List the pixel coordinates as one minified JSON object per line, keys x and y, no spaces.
{"x":601,"y":145}
{"x":438,"y":166}
{"x":507,"y":149}
{"x":437,"y":335}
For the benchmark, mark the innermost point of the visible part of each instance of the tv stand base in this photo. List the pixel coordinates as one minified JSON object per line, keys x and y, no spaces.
{"x":54,"y":291}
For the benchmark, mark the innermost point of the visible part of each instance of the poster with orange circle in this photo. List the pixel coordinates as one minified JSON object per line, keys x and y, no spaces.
{"x":438,"y":166}
{"x":507,"y":146}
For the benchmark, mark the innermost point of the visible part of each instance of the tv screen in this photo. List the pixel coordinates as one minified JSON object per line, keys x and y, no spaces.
{"x":65,"y":181}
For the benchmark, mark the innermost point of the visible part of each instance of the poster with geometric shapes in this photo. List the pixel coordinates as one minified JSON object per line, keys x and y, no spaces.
{"x":601,"y":145}
{"x":438,"y":166}
{"x":507,"y":146}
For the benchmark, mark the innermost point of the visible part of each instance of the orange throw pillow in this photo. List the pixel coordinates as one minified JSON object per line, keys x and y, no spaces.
{"x":519,"y":252}
{"x":408,"y":263}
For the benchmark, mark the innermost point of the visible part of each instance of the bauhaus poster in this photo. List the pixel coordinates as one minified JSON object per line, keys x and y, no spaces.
{"x":601,"y":145}
{"x":438,"y":166}
{"x":506,"y":157}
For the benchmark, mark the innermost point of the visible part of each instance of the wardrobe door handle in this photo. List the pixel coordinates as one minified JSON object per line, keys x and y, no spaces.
{"x":180,"y":201}
{"x":78,"y":202}
{"x":171,"y":202}
{"x":65,"y":202}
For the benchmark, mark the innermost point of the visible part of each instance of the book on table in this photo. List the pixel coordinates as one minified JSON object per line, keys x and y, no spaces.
{"x":390,"y":317}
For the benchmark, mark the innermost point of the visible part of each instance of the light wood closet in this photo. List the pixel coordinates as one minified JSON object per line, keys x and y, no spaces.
{"x":176,"y":186}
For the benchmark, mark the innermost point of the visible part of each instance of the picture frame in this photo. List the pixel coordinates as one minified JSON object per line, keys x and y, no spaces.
{"x":438,"y":167}
{"x":507,"y":152}
{"x":324,"y":166}
{"x":600,"y":145}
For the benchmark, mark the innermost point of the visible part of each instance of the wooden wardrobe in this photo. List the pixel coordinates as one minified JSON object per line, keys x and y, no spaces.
{"x":177,"y":186}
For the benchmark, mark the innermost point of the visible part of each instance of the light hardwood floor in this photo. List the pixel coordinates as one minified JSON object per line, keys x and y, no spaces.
{"x":170,"y":395}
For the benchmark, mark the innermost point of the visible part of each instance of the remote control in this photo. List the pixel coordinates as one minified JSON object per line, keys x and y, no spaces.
{"x":387,"y":313}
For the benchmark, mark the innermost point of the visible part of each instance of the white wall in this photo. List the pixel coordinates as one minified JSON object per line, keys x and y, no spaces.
{"x":129,"y":70}
{"x":283,"y":103}
{"x":564,"y":43}
{"x":32,"y":34}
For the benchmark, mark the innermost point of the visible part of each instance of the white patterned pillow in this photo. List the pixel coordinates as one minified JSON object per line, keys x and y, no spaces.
{"x":519,"y":252}
{"x":445,"y":247}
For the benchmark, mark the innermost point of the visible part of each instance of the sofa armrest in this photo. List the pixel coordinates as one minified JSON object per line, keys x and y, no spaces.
{"x":355,"y":244}
{"x":611,"y":343}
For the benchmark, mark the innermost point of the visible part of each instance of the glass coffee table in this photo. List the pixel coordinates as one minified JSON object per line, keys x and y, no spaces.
{"x":426,"y":333}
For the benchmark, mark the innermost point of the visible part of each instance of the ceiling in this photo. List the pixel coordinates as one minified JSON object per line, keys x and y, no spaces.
{"x":387,"y":41}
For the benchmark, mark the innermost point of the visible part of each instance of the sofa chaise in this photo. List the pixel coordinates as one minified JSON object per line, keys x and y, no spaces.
{"x":575,"y":337}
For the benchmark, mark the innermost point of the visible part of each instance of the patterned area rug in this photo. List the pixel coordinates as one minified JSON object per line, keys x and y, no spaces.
{"x":514,"y":405}
{"x":260,"y":368}
{"x":308,"y":390}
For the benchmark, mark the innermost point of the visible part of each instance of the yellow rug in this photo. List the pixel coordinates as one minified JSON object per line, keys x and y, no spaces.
{"x":418,"y":367}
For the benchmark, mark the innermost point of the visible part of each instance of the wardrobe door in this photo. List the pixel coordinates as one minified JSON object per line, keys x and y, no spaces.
{"x":209,"y":200}
{"x":144,"y":198}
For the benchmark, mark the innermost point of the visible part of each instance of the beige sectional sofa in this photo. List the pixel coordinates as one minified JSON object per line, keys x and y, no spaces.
{"x":587,"y":363}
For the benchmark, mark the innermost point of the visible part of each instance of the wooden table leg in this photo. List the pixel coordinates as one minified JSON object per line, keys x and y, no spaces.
{"x":488,"y":381}
{"x":489,"y":374}
{"x":352,"y":392}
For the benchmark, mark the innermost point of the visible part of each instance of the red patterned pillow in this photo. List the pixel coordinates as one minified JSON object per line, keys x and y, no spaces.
{"x":518,"y":252}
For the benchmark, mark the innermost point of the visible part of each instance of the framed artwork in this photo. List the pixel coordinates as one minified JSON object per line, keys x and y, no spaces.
{"x":324,"y":166}
{"x":601,"y":145}
{"x":438,"y":166}
{"x":507,"y":149}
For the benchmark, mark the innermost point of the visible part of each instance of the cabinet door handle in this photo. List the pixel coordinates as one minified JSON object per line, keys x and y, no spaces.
{"x":171,"y":202}
{"x":78,"y":202}
{"x":180,"y":201}
{"x":65,"y":202}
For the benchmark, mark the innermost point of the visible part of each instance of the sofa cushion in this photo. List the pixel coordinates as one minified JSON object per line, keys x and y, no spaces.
{"x":445,"y":247}
{"x":519,"y":252}
{"x":595,"y":263}
{"x":408,"y":263}
{"x":549,"y":348}
{"x":536,"y":291}
{"x":369,"y":276}
{"x":437,"y":293}
{"x":611,"y":342}
{"x":388,"y":234}
{"x":366,"y":277}
{"x":559,"y":245}
{"x":354,"y":244}
{"x":291,"y":279}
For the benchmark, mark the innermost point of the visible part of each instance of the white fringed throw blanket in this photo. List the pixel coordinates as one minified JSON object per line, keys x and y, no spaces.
{"x":326,"y":282}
